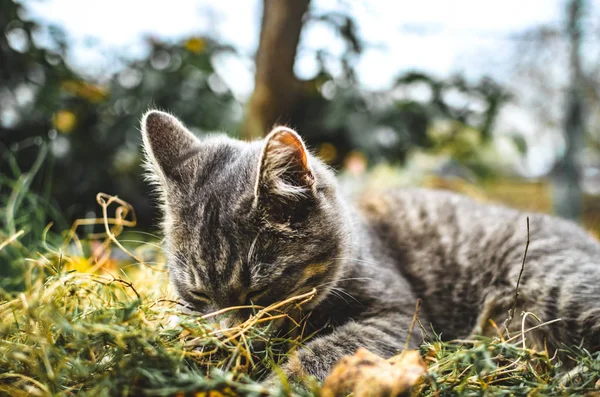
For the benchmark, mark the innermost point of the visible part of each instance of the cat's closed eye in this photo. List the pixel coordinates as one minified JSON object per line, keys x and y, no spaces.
{"x":200,"y":296}
{"x":255,"y":295}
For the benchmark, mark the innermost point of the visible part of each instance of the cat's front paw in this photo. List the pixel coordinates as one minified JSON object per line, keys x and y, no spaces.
{"x":289,"y":374}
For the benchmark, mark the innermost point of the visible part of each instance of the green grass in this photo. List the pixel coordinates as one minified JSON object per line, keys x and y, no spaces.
{"x":83,"y":323}
{"x":87,"y":334}
{"x":74,"y":320}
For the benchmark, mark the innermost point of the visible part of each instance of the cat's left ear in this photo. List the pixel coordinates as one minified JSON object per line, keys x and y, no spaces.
{"x":284,"y":169}
{"x":168,"y":144}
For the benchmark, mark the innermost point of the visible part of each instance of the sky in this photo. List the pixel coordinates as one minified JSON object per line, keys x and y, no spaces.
{"x":440,"y":37}
{"x":436,"y":36}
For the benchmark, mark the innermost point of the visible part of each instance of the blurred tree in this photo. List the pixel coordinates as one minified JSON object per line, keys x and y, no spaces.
{"x":557,"y":66}
{"x":276,"y":89}
{"x":568,"y":194}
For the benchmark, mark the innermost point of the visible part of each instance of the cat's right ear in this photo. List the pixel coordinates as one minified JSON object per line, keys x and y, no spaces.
{"x":284,"y":173}
{"x":168,"y":144}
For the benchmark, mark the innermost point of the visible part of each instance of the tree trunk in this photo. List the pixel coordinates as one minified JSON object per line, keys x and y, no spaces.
{"x":276,"y":88}
{"x":568,"y":195}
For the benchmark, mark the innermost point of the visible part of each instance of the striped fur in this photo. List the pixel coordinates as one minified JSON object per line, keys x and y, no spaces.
{"x":263,"y":221}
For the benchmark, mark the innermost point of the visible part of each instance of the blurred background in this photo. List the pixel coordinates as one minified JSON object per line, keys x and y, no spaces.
{"x":494,"y":99}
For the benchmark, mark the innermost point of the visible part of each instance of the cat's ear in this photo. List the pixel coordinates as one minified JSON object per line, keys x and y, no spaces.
{"x":284,"y":170}
{"x":168,"y":144}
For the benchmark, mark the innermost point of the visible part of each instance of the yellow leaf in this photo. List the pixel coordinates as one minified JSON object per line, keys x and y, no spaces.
{"x":195,"y":45}
{"x":64,"y":121}
{"x":91,"y":92}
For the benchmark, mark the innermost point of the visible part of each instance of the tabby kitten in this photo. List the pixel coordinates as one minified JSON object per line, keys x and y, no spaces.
{"x":262,"y":221}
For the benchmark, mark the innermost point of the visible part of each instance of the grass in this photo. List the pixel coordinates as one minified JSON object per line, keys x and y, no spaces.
{"x":89,"y":312}
{"x":87,"y":324}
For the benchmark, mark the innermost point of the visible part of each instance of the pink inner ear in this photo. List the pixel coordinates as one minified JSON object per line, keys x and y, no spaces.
{"x":287,"y":137}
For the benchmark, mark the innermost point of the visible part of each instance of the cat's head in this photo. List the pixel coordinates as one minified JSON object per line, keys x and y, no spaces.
{"x":244,"y":222}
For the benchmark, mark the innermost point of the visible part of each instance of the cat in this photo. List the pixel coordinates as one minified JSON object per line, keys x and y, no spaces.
{"x":262,"y":221}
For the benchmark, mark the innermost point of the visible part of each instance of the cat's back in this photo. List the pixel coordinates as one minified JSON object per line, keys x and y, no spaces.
{"x":453,"y":250}
{"x":427,"y":219}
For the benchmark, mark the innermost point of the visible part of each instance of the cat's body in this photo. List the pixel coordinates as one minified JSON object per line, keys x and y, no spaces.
{"x":260,"y":222}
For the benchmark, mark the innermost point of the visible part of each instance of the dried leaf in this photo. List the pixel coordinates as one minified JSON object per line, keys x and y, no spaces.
{"x":366,"y":374}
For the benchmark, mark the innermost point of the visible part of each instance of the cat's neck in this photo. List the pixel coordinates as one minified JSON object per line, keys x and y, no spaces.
{"x":359,"y":243}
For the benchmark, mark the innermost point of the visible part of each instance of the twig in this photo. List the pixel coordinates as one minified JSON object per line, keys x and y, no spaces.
{"x":227,"y":309}
{"x":163,"y":300}
{"x":534,"y":328}
{"x":523,"y":321}
{"x":253,"y":320}
{"x":512,"y":311}
{"x":412,"y":325}
{"x":121,"y":213}
{"x":26,"y":378}
{"x":11,"y":239}
{"x":106,"y":281}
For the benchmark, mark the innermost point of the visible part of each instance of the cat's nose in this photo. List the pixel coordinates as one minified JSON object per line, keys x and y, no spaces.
{"x":229,"y":321}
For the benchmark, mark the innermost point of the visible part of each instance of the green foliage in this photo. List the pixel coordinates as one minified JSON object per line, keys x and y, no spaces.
{"x":23,"y":216}
{"x":91,"y":126}
{"x":494,"y":367}
{"x":388,"y":125}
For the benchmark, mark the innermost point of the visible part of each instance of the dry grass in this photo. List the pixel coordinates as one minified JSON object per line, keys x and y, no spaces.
{"x":89,"y":323}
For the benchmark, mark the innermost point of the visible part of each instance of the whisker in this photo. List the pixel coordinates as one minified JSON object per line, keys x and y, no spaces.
{"x":336,"y":293}
{"x":295,"y":291}
{"x":343,"y":291}
{"x":345,"y":279}
{"x":368,"y":262}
